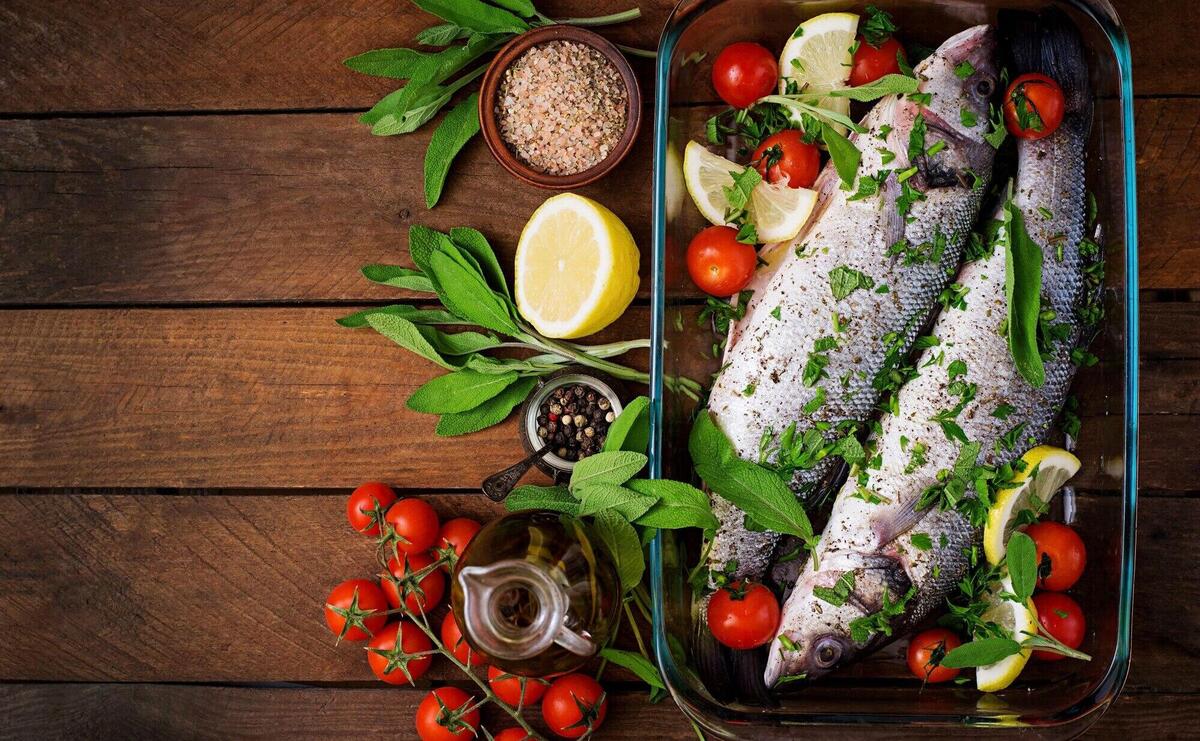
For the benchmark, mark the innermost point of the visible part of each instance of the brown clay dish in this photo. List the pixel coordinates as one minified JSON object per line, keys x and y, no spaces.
{"x":491,"y":86}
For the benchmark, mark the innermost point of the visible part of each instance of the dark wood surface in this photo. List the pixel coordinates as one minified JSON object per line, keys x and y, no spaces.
{"x":185,"y":200}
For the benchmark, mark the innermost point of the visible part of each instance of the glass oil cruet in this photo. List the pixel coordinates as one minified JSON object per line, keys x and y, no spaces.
{"x":536,"y":593}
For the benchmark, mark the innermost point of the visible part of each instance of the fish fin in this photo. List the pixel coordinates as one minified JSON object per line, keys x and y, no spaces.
{"x":902,"y":520}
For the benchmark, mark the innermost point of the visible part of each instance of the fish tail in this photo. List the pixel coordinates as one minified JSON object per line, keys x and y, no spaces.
{"x":1049,"y":43}
{"x":729,"y":674}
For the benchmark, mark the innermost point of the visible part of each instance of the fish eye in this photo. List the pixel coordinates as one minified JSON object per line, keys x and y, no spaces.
{"x":827,"y":652}
{"x":985,"y":87}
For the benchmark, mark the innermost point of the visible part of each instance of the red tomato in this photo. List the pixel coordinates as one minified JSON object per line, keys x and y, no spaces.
{"x":414,"y":525}
{"x":574,"y":705}
{"x":390,"y":662}
{"x":366,"y":505}
{"x":744,"y":72}
{"x":871,"y":63}
{"x":452,"y":638}
{"x":444,"y":721}
{"x":743,"y":615}
{"x":794,"y":162}
{"x":456,"y":534}
{"x":1062,"y":618}
{"x":354,"y":610}
{"x":508,"y":687}
{"x":921,"y":655}
{"x":1063,"y":549}
{"x":718,"y":263}
{"x":428,"y":591}
{"x":1033,"y":106}
{"x":513,"y":734}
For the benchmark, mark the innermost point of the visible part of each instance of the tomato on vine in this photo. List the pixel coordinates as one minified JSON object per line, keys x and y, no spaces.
{"x":367,"y":505}
{"x":574,"y":705}
{"x":413,"y":525}
{"x":355,"y":609}
{"x":447,"y":714}
{"x":508,"y":687}
{"x":513,"y":734}
{"x":419,"y":595}
{"x":743,"y":615}
{"x":399,"y":661}
{"x":456,"y":534}
{"x":452,"y":638}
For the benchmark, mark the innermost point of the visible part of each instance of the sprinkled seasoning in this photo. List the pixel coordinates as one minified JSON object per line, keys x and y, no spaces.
{"x":561,"y":107}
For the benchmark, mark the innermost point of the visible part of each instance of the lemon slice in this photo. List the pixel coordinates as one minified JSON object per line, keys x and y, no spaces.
{"x":576,"y":267}
{"x":1047,"y":468}
{"x":777,"y":211}
{"x":817,"y":58}
{"x":1018,"y":620}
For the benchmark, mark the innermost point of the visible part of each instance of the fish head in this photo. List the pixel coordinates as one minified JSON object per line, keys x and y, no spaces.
{"x":818,"y":633}
{"x":961,"y":80}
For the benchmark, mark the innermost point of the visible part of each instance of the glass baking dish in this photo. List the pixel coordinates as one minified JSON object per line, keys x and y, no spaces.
{"x":1050,"y":700}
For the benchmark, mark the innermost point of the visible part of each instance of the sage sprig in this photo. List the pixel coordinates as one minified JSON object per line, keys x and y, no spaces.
{"x":434,"y":77}
{"x":481,"y":389}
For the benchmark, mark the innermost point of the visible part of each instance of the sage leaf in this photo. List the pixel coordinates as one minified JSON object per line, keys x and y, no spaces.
{"x":474,"y":243}
{"x":622,"y":543}
{"x":636,"y":663}
{"x":485,"y":364}
{"x":887,"y":85}
{"x":555,"y":498}
{"x":678,"y":505}
{"x":457,"y":392}
{"x":757,"y":491}
{"x":1022,"y":288}
{"x":455,"y":130}
{"x":411,"y":313}
{"x":475,"y":15}
{"x":443,"y":34}
{"x":406,"y":109}
{"x":407,"y":335}
{"x":409,"y":64}
{"x":491,"y":412}
{"x":980,"y":652}
{"x":842,"y":151}
{"x":625,"y":502}
{"x":524,"y":8}
{"x":631,"y":429}
{"x":398,"y":277}
{"x":615,"y":467}
{"x":467,"y":295}
{"x":1022,"y":565}
{"x":459,"y":343}
{"x":422,"y":243}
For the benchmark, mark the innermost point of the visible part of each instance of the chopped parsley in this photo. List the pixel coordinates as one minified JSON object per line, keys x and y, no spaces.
{"x":964,"y":69}
{"x":839,"y":592}
{"x":879,"y":26}
{"x":921,"y":541}
{"x":996,"y":136}
{"x":844,"y":281}
{"x":968,"y":118}
{"x":861,"y":629}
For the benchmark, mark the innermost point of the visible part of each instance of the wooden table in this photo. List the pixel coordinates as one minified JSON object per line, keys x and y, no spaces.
{"x":185,"y":200}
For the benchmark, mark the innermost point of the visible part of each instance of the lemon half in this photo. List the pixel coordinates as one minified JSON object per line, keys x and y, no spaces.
{"x":1047,"y":468}
{"x":576,"y":267}
{"x":1018,"y":620}
{"x":818,"y":58}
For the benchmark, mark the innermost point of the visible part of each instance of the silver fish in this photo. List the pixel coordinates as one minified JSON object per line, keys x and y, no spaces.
{"x":874,"y":541}
{"x":763,"y":387}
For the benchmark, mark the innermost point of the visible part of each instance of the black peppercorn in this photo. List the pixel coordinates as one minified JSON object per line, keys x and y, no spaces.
{"x":575,"y":420}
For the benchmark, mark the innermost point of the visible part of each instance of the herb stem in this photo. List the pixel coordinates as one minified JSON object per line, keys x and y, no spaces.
{"x":597,"y":20}
{"x":637,"y":634}
{"x":686,"y":386}
{"x":633,"y":51}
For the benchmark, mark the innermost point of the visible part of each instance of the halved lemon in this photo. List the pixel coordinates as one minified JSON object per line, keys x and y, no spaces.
{"x":576,"y":267}
{"x":1047,"y":468}
{"x":777,"y":211}
{"x":1019,"y":620}
{"x":818,"y":58}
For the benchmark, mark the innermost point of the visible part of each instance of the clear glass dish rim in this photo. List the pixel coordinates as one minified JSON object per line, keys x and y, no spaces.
{"x":701,"y":708}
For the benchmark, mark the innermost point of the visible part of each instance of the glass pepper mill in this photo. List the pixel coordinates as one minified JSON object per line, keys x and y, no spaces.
{"x":536,"y":593}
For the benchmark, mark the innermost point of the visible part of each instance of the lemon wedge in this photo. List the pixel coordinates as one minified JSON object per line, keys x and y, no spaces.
{"x":1019,"y":620}
{"x":576,"y":267}
{"x":777,"y":211}
{"x":1047,"y":468}
{"x":818,"y":58}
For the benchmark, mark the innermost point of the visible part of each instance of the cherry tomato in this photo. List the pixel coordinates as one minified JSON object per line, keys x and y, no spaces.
{"x":718,"y":263}
{"x":744,"y":72}
{"x":791,"y":160}
{"x":366,"y":506}
{"x":452,"y":638}
{"x":1062,"y":618}
{"x":443,"y":721}
{"x":871,"y":62}
{"x":508,"y":687}
{"x":1062,"y":549}
{"x":428,"y":591}
{"x":354,"y":610}
{"x":513,"y":734}
{"x":1033,"y":106}
{"x":574,"y":705}
{"x":921,"y":655}
{"x":743,"y":615}
{"x":389,"y":662}
{"x":414,"y":525}
{"x":457,"y":534}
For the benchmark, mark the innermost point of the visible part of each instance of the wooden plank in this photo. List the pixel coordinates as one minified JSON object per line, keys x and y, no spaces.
{"x":214,"y":587}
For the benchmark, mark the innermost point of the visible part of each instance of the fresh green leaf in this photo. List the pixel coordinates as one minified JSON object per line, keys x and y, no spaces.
{"x":623,"y":544}
{"x":407,"y":109}
{"x":409,"y":64}
{"x":458,"y":343}
{"x":422,"y":243}
{"x":844,"y":280}
{"x":398,"y":277}
{"x":878,"y":27}
{"x":442,"y":35}
{"x":631,"y":429}
{"x":475,"y":244}
{"x":475,"y":15}
{"x":999,"y":131}
{"x":411,"y":313}
{"x":636,"y":663}
{"x":407,"y":335}
{"x":466,"y":294}
{"x":980,"y":652}
{"x":555,"y":498}
{"x":625,"y":502}
{"x":887,"y":85}
{"x":921,"y":541}
{"x":964,"y":69}
{"x":842,"y":151}
{"x":678,"y":505}
{"x":455,"y":130}
{"x":524,"y":8}
{"x":1022,"y":565}
{"x":615,"y":467}
{"x":738,"y":194}
{"x":1022,"y":288}
{"x":458,"y":391}
{"x":916,"y":139}
{"x":491,"y":412}
{"x":839,"y":592}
